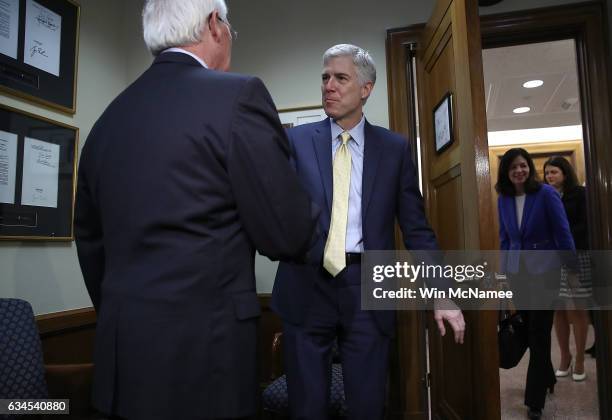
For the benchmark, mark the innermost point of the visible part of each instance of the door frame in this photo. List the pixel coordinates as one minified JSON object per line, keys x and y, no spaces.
{"x":409,"y":377}
{"x":584,"y":22}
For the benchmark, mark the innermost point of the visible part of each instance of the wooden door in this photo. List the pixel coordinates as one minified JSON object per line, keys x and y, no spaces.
{"x":464,"y":378}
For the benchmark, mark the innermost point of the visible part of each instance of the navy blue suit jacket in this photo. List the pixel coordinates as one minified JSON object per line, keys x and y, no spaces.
{"x":185,"y":174}
{"x":544,"y":227}
{"x":390,"y":192}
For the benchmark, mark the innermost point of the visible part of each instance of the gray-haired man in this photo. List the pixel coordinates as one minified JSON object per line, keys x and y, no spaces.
{"x":363,"y":179}
{"x":184,"y":175}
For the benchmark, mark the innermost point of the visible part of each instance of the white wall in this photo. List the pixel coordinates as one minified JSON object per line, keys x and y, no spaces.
{"x":137,"y":57}
{"x":44,"y":273}
{"x":280,"y":41}
{"x":283,"y":41}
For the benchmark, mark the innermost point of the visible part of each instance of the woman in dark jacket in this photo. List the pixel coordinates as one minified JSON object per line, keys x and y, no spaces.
{"x":531,"y":218}
{"x":560,"y":174}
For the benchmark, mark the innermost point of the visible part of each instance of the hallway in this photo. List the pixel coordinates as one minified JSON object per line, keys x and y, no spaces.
{"x":571,"y":400}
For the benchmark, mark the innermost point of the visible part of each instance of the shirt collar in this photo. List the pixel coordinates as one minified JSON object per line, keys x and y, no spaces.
{"x":355,"y":132}
{"x":180,"y":50}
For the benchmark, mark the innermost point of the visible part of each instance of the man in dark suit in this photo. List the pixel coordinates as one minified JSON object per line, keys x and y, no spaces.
{"x":321,"y":304}
{"x":184,"y":175}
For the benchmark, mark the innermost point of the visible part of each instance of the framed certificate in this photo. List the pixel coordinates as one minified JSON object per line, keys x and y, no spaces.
{"x":38,"y":160}
{"x":292,"y":117}
{"x":38,"y":51}
{"x":443,"y":123}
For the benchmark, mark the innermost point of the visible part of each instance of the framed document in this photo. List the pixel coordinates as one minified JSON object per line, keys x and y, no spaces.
{"x":291,"y":117}
{"x":38,"y":51}
{"x":443,"y":123}
{"x":38,"y":160}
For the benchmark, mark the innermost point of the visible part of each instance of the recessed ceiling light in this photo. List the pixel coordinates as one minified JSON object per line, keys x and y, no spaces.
{"x":533,"y":84}
{"x":521,"y":110}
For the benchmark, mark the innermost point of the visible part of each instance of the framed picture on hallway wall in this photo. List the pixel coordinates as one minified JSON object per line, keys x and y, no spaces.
{"x":38,"y":159}
{"x":291,"y":117}
{"x":443,"y":123}
{"x":38,"y":51}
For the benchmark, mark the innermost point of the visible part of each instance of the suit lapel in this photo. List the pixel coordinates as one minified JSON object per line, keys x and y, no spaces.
{"x":371,"y":157}
{"x":321,"y":142}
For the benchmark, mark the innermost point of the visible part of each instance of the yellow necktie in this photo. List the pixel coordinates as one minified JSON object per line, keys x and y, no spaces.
{"x":334,"y":257}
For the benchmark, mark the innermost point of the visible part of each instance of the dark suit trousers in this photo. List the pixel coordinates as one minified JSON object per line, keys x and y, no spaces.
{"x":537,"y":292}
{"x":364,"y":351}
{"x":540,"y":373}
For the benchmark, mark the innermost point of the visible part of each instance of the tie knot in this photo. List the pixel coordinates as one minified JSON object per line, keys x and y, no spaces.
{"x":345,"y":137}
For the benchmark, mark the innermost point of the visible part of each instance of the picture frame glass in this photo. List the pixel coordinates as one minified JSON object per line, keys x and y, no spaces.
{"x":37,"y":176}
{"x":443,"y":123}
{"x":38,"y":51}
{"x":293,"y":117}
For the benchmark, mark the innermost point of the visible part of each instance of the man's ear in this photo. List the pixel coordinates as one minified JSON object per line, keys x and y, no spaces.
{"x":213,"y":26}
{"x":366,"y":90}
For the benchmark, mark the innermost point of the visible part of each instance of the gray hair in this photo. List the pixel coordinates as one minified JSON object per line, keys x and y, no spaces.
{"x":174,"y":23}
{"x":364,"y":64}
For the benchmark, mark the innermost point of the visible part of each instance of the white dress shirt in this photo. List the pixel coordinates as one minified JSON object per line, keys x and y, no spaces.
{"x":180,"y":50}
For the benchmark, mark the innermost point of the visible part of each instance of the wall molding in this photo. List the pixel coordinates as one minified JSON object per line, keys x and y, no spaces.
{"x":65,"y":321}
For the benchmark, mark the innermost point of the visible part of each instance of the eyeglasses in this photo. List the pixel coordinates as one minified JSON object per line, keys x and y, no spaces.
{"x":233,"y":33}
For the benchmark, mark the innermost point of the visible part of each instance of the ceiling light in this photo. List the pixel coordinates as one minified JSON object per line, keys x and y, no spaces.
{"x":533,"y":84}
{"x":521,"y":110}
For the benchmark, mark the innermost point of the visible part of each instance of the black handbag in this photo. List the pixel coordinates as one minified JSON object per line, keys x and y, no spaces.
{"x":511,"y":338}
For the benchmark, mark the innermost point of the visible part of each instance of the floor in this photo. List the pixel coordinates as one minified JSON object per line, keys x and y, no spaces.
{"x":571,"y":400}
